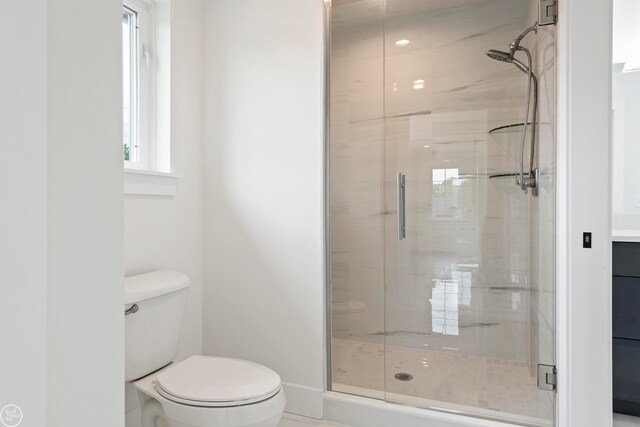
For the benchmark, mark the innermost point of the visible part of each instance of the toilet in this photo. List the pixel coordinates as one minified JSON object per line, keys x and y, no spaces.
{"x":201,"y":391}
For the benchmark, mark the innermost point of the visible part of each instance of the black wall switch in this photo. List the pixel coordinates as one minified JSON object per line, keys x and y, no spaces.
{"x":586,"y":240}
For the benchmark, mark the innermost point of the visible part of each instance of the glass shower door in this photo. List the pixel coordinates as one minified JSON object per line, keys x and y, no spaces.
{"x":441,"y":269}
{"x":468,"y":300}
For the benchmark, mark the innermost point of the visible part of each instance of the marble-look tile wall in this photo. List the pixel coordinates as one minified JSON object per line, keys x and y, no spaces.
{"x":469,"y":225}
{"x":381,"y":124}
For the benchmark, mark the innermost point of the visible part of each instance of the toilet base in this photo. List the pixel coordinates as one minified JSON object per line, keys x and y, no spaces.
{"x":262,"y":414}
{"x":266,"y":413}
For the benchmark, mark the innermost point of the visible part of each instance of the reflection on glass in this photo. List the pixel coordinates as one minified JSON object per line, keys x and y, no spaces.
{"x":445,"y":195}
{"x":444,"y":307}
{"x":464,"y":278}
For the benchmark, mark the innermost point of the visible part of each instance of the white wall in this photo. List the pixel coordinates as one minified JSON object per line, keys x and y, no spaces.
{"x":84,"y":205}
{"x":584,"y":179}
{"x":263,"y":150}
{"x":61,"y":215}
{"x":23,"y":209}
{"x":166,"y":232}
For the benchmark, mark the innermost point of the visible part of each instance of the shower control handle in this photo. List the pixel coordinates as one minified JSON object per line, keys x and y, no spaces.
{"x":400,"y":192}
{"x":133,"y":309}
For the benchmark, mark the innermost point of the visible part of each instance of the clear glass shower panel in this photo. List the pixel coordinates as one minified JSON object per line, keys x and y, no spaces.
{"x":356,"y":205}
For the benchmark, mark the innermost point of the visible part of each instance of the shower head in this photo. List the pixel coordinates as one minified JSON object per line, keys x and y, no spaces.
{"x":514,"y":46}
{"x":499,"y":55}
{"x":507,"y":57}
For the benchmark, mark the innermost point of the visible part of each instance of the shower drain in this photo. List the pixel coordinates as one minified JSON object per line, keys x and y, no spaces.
{"x":403,"y":376}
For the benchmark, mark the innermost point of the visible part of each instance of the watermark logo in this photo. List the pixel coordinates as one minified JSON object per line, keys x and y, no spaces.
{"x":11,"y":415}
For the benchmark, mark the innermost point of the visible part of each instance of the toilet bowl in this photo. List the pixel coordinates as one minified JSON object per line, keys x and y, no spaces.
{"x":201,"y":391}
{"x":212,"y":391}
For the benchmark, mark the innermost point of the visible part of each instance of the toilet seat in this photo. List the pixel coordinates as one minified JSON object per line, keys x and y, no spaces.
{"x":217,"y":382}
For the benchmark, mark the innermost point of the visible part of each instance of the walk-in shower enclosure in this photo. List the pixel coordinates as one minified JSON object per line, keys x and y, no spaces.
{"x":440,"y":268}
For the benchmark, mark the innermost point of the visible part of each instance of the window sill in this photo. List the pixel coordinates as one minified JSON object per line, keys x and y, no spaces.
{"x":150,"y":183}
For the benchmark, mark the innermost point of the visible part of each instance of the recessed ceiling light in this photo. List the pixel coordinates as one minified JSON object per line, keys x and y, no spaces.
{"x":403,"y":42}
{"x":418,"y":84}
{"x":427,"y":146}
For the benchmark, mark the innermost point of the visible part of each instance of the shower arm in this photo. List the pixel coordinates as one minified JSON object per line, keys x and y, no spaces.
{"x":515,"y":44}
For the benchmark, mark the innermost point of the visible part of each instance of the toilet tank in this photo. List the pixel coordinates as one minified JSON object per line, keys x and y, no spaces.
{"x":152,"y":333}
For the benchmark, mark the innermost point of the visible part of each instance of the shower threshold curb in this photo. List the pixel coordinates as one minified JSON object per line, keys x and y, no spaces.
{"x":362,"y":411}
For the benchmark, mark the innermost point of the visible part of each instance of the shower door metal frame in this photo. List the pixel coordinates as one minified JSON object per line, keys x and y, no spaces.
{"x":326,"y":191}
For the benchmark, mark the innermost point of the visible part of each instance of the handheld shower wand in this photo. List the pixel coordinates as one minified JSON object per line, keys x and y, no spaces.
{"x":529,"y":181}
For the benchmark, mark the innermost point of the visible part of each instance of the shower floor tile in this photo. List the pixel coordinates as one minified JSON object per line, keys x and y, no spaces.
{"x":494,"y":387}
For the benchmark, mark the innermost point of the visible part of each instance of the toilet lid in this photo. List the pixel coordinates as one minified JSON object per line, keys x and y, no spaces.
{"x":217,"y":381}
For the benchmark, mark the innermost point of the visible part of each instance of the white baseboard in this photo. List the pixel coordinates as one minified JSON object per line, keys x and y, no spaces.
{"x":302,"y":400}
{"x":133,"y":418}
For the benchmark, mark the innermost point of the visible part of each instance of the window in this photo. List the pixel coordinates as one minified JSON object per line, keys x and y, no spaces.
{"x":138,"y":84}
{"x":130,"y":137}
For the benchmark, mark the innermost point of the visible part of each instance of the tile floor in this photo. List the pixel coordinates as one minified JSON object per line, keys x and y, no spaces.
{"x":290,"y":420}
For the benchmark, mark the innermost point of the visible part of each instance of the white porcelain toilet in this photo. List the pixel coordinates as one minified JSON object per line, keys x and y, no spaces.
{"x":201,"y":391}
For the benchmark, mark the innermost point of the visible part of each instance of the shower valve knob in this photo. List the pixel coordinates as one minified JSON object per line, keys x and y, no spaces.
{"x":527,"y":182}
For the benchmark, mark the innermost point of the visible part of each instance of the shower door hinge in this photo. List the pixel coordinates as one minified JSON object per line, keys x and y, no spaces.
{"x":547,"y":12}
{"x":547,"y":377}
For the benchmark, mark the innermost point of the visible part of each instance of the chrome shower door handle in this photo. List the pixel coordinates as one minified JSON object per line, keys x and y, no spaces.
{"x":400,"y":194}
